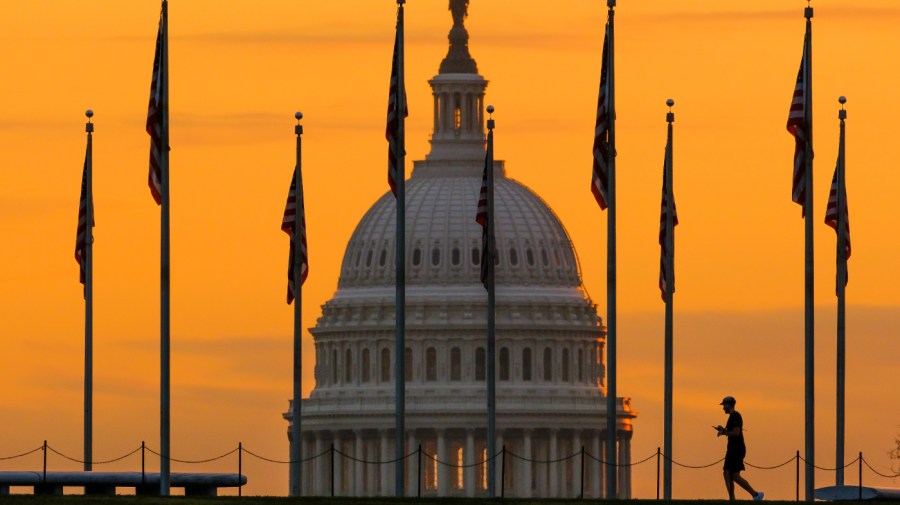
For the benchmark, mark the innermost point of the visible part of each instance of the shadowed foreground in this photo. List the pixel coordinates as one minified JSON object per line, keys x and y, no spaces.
{"x":271,"y":500}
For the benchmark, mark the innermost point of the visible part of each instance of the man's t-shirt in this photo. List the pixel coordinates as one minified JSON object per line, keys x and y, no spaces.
{"x":736,"y":443}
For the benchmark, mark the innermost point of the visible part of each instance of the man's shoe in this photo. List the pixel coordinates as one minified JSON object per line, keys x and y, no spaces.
{"x":759,"y":496}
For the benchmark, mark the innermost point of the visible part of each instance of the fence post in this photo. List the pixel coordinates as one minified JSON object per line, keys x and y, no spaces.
{"x":332,"y":470}
{"x":581,"y":493}
{"x":797,"y":458}
{"x":658,"y":454}
{"x":240,"y":464}
{"x":419,"y":473}
{"x":143,"y":475}
{"x":860,"y":474}
{"x":45,"y":461}
{"x":503,"y":471}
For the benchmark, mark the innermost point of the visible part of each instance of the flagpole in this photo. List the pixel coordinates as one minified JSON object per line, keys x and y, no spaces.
{"x":89,"y":299}
{"x":670,"y":291}
{"x":400,"y":311}
{"x":491,"y":320}
{"x":164,"y":327}
{"x":296,"y":440}
{"x":810,"y":441}
{"x":611,"y":403}
{"x":841,"y":291}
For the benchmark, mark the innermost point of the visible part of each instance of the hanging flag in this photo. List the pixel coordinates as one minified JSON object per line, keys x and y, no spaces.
{"x":155,"y":117}
{"x":287,"y":225}
{"x":664,"y":231}
{"x":392,"y":132}
{"x":601,"y":131}
{"x":831,"y":213}
{"x":797,"y":125}
{"x":82,"y":235}
{"x":481,"y":217}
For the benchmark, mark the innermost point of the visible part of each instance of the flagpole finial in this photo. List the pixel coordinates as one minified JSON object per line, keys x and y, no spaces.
{"x":401,"y":2}
{"x":842,"y":100}
{"x":842,"y":114}
{"x":89,"y":127}
{"x":670,"y":116}
{"x":298,"y":115}
{"x":89,"y":113}
{"x":610,"y":3}
{"x":298,"y":129}
{"x":808,"y":12}
{"x":490,"y":110}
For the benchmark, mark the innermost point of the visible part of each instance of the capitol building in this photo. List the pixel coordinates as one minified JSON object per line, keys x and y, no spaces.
{"x":550,"y":387}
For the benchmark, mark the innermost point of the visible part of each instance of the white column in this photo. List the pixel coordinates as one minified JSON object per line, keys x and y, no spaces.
{"x":542,"y":470}
{"x":359,"y":452}
{"x":524,"y":485}
{"x":576,"y":463}
{"x":413,"y":468}
{"x":321,"y":464}
{"x":626,"y":442}
{"x":338,"y":466}
{"x":443,"y":470}
{"x":553,"y":468}
{"x":596,"y":468}
{"x":622,"y":457}
{"x":384,"y":469}
{"x":470,"y":459}
{"x":500,"y":461}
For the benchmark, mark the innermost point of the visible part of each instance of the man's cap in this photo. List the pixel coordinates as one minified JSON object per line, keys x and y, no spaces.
{"x":728,"y":400}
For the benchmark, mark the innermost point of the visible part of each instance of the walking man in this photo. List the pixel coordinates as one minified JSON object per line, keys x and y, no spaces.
{"x":734,"y":455}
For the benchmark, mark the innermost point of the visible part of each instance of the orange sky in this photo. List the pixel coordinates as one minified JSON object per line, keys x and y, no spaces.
{"x":239,"y":70}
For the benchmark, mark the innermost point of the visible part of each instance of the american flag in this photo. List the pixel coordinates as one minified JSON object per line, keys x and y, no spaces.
{"x":481,"y":217}
{"x":601,"y":131}
{"x":392,"y":132}
{"x":831,"y":212}
{"x":154,"y":117}
{"x":287,"y":225}
{"x":797,"y":126}
{"x":82,"y":235}
{"x":663,"y":231}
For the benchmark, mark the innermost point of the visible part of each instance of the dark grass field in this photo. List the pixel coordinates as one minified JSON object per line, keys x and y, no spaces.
{"x":272,"y":500}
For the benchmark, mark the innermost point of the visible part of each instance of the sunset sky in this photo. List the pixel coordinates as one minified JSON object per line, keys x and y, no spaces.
{"x":239,"y":71}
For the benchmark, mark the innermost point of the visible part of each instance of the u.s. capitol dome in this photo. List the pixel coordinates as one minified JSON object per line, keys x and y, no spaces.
{"x":549,"y":339}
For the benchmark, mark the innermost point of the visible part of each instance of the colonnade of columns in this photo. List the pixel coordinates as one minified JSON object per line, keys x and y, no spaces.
{"x":545,"y":463}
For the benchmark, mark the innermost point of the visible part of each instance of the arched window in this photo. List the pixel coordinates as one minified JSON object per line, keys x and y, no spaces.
{"x":385,"y":364}
{"x":529,"y":256}
{"x":548,"y":364}
{"x":369,"y":258}
{"x":455,"y":364}
{"x":382,"y":259}
{"x":565,"y":365}
{"x":364,"y":365}
{"x":334,"y":366}
{"x":504,"y":364}
{"x":431,"y":364}
{"x":408,"y":365}
{"x":455,"y":256}
{"x":526,"y":364}
{"x":544,"y":258}
{"x":436,"y":256}
{"x":348,"y":366}
{"x":513,"y":256}
{"x":580,"y":365}
{"x":476,"y":255}
{"x":457,"y":118}
{"x":479,"y":364}
{"x":417,"y":256}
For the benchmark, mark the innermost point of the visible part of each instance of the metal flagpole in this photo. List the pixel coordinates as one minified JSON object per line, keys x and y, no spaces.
{"x":810,"y":441}
{"x":611,"y":403}
{"x":89,"y":298}
{"x":400,"y":311}
{"x":841,"y":291}
{"x":296,"y":440}
{"x":670,"y":291}
{"x":164,"y":328}
{"x":491,"y":292}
